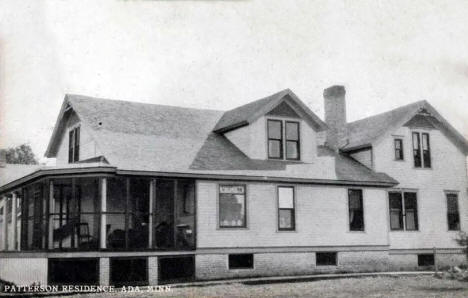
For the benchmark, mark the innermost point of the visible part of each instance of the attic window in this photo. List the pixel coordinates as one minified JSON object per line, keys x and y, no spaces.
{"x":421,"y":150}
{"x":278,"y":131}
{"x":74,"y":145}
{"x":275,"y":139}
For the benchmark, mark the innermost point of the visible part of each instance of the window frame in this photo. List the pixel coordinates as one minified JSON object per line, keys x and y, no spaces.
{"x":401,"y":156}
{"x":425,"y":255}
{"x":220,"y":226}
{"x":326,"y":265}
{"x":447,"y":194}
{"x":421,"y":151}
{"x":363,"y":228}
{"x":74,"y":135}
{"x":293,"y":209}
{"x":428,"y":150}
{"x":286,"y":140}
{"x":404,"y":227}
{"x":238,"y":255}
{"x":281,"y":140}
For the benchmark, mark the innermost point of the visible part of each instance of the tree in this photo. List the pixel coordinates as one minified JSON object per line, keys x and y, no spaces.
{"x":21,"y":154}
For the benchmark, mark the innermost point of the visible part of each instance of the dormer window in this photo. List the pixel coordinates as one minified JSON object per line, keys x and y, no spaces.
{"x":275,"y":139}
{"x":74,"y":145}
{"x":278,"y":131}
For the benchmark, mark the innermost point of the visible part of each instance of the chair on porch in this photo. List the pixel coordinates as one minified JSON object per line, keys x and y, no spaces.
{"x":85,"y":239}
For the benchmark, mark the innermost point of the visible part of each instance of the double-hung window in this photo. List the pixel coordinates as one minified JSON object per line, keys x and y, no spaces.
{"x":421,"y":150}
{"x":292,"y":140}
{"x":403,"y":211}
{"x":232,"y":206}
{"x":74,"y":145}
{"x":453,"y":215}
{"x":399,"y":155}
{"x":275,"y":139}
{"x":356,"y":210}
{"x":286,"y":216}
{"x":283,"y":139}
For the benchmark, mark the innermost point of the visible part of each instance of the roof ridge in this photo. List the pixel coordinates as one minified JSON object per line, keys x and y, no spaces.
{"x":400,"y":108}
{"x":86,"y":97}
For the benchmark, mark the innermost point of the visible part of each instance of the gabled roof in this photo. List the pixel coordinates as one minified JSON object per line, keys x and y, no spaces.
{"x":154,"y":138}
{"x":367,"y":131}
{"x":248,"y":113}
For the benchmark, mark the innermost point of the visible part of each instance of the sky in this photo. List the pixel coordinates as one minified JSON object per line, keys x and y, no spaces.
{"x":219,"y":54}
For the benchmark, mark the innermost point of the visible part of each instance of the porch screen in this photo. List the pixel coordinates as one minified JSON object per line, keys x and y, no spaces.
{"x":232,"y":206}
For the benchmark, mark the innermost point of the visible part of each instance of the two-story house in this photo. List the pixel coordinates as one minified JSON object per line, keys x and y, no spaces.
{"x":148,"y":194}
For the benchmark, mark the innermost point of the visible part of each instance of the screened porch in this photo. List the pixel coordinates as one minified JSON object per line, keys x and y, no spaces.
{"x":102,"y":213}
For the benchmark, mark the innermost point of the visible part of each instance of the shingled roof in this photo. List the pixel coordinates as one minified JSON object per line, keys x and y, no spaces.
{"x":367,"y":131}
{"x":167,"y":139}
{"x":250,"y":112}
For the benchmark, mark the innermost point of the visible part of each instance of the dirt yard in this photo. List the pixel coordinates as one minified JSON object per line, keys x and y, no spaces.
{"x":421,"y":286}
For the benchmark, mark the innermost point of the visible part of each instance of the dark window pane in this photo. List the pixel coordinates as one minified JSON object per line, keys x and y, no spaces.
{"x":411,"y":211}
{"x":76,"y":150}
{"x":286,"y":219}
{"x":292,"y":131}
{"x":396,"y":212}
{"x":241,"y":261}
{"x":398,"y":149}
{"x":452,"y":203}
{"x":71,"y":141}
{"x":426,"y":150}
{"x":274,"y":129}
{"x":274,"y":149}
{"x":73,"y":271}
{"x":232,"y":206}
{"x":426,"y":260}
{"x":453,"y":216}
{"x":326,"y":259}
{"x":176,"y":269}
{"x":128,"y":272}
{"x":292,"y":150}
{"x":417,"y":150}
{"x":356,"y":210}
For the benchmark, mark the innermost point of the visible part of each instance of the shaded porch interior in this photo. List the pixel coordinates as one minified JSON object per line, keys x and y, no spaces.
{"x":107,"y":213}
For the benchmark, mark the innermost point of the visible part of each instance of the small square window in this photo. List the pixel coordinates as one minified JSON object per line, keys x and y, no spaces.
{"x":241,"y":261}
{"x":326,"y":259}
{"x":425,"y":260}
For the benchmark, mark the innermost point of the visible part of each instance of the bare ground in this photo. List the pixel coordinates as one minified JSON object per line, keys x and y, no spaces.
{"x":420,"y":286}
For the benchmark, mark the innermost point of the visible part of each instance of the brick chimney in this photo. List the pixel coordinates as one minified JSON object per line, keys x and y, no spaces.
{"x":335,"y":116}
{"x":2,"y":158}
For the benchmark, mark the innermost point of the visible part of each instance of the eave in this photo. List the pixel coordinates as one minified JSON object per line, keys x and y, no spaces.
{"x":109,"y":170}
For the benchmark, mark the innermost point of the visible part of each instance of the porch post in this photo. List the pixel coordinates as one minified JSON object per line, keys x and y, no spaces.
{"x":4,"y":224}
{"x":103,"y":244}
{"x":51,"y":217}
{"x":13,"y":220}
{"x":152,"y":194}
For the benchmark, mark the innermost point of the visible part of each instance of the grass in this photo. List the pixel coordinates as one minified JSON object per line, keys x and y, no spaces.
{"x":419,"y":286}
